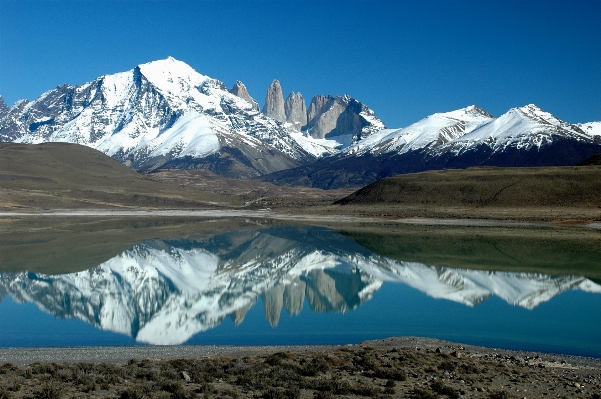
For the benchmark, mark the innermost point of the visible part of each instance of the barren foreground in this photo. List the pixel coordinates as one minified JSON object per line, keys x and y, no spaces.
{"x":389,"y":368}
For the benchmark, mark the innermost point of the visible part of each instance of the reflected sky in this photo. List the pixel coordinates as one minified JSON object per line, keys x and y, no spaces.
{"x":291,"y":285}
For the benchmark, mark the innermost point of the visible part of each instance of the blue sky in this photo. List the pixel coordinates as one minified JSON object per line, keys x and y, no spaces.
{"x":404,"y":59}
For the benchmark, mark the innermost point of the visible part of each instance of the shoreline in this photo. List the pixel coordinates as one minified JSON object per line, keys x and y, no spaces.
{"x":273,"y":214}
{"x":122,"y":354}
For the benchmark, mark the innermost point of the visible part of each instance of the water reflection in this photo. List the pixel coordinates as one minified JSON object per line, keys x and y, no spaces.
{"x":164,"y":292}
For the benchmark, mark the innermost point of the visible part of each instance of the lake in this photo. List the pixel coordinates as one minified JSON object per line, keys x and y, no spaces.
{"x":256,"y":283}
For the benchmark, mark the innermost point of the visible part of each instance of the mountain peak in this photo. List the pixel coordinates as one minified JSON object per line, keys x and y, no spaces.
{"x":536,"y":113}
{"x":172,"y":76}
{"x":468,"y":113}
{"x":475,"y":110}
{"x":239,"y":90}
{"x":530,"y":109}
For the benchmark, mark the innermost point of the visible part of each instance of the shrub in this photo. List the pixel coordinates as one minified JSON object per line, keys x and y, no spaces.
{"x":175,"y":388}
{"x":280,"y":393}
{"x":4,"y":394}
{"x":275,"y":359}
{"x":323,"y":395}
{"x":447,"y":366}
{"x":418,"y":393}
{"x":498,"y":395}
{"x":135,"y":392}
{"x":366,"y":390}
{"x":469,"y":369}
{"x":316,"y":366}
{"x":442,"y":389}
{"x":390,"y":374}
{"x":50,"y":390}
{"x":342,"y":387}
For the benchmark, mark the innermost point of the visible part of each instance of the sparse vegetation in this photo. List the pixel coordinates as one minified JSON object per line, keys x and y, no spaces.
{"x":353,"y":372}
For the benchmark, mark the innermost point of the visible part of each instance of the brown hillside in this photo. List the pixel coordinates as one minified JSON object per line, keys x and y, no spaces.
{"x":575,"y":187}
{"x":62,"y":175}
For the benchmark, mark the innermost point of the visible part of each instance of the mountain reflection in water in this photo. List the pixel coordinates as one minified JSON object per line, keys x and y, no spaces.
{"x":164,"y":292}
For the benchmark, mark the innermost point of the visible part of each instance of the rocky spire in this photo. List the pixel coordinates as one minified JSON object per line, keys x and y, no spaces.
{"x":296,"y":110}
{"x":274,"y":102}
{"x":239,"y":90}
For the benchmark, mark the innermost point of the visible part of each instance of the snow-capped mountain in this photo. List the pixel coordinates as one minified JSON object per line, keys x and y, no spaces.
{"x":520,"y":129}
{"x":164,"y":114}
{"x":524,"y":136}
{"x":432,"y":131}
{"x":164,"y":292}
{"x":159,"y":114}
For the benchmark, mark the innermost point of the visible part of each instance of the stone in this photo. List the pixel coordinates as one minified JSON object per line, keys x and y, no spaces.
{"x":240,"y":90}
{"x":185,"y":376}
{"x":274,"y":102}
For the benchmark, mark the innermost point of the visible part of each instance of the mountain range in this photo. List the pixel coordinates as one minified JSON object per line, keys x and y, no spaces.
{"x":166,"y":291}
{"x":165,"y":115}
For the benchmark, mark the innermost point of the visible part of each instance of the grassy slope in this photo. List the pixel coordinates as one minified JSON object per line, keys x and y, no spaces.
{"x":488,"y":187}
{"x":61,"y":175}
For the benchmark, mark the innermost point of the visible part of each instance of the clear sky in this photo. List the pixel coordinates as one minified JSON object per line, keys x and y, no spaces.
{"x":403,"y":59}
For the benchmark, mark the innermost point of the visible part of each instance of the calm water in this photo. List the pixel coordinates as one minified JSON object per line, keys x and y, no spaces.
{"x":293,"y":285}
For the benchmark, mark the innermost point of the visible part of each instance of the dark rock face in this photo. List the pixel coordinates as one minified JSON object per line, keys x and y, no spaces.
{"x":240,"y":90}
{"x":296,"y":110}
{"x":274,"y":102}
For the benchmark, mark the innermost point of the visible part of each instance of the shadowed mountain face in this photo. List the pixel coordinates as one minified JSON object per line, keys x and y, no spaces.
{"x":165,"y":292}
